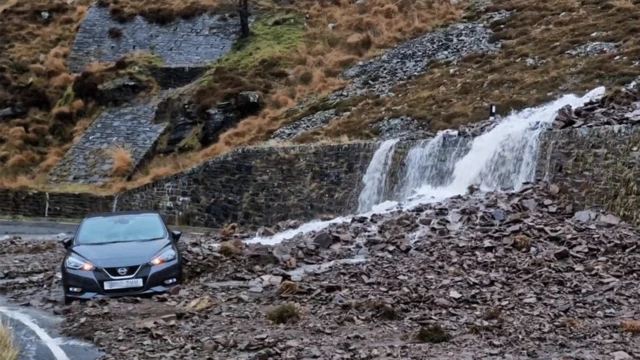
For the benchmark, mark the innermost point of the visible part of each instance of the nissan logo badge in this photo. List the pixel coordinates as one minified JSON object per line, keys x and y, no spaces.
{"x":122,"y":271}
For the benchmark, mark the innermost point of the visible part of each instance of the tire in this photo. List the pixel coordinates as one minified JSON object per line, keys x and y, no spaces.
{"x":68,"y":300}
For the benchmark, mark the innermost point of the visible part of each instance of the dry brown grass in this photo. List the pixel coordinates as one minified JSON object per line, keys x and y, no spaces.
{"x":121,"y":158}
{"x":630,"y":326}
{"x":158,"y":11}
{"x":358,"y":31}
{"x":33,"y":74}
{"x":286,"y":63}
{"x":453,"y":95}
{"x":8,"y":350}
{"x":284,"y":314}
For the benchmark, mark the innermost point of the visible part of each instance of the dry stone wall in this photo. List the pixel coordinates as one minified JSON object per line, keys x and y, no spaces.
{"x":260,"y":186}
{"x":51,"y":204}
{"x":595,"y":167}
{"x":264,"y":185}
{"x":89,"y":162}
{"x":183,"y":43}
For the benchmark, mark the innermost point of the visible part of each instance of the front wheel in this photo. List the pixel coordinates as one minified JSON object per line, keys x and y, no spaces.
{"x":68,"y":300}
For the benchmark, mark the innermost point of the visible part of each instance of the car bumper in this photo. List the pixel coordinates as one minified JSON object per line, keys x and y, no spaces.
{"x":91,"y":283}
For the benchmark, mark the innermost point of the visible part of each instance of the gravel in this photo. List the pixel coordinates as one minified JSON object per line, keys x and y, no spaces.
{"x":480,"y":276}
{"x":622,"y":108}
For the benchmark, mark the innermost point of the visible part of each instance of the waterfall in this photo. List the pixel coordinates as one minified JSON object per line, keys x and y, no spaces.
{"x":375,"y":178}
{"x":432,"y":162}
{"x":502,"y":158}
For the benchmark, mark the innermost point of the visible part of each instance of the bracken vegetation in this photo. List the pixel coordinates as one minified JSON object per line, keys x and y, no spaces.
{"x":292,"y":55}
{"x":284,"y":314}
{"x":8,"y":350}
{"x":453,"y":95}
{"x":296,"y":53}
{"x":54,"y":107}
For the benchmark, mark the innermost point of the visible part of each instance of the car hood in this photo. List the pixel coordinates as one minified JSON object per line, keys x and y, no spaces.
{"x":122,"y":253}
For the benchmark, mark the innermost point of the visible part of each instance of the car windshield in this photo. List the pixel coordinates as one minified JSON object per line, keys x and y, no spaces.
{"x":102,"y":230}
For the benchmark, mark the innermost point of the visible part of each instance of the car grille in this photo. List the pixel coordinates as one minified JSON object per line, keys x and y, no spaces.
{"x":113,"y":271}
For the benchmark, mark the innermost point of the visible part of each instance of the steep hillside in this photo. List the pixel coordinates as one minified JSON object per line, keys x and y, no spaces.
{"x":316,"y":68}
{"x":295,"y":50}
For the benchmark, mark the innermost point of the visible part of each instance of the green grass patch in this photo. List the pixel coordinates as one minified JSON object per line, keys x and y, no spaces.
{"x":192,"y":142}
{"x":271,"y":38}
{"x":67,"y":98}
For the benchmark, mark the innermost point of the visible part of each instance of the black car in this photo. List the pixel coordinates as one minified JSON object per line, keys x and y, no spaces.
{"x":121,"y":254}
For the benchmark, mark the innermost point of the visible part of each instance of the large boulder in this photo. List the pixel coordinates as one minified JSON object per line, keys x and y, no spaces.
{"x":248,"y":103}
{"x":218,"y":120}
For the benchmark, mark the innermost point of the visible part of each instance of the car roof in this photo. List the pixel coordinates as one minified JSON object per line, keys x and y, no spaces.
{"x":120,"y":213}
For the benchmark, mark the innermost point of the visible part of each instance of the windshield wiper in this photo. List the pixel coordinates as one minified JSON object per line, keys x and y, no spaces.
{"x":119,"y":241}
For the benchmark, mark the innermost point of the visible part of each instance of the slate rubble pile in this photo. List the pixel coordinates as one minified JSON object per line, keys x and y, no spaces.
{"x":378,"y":76}
{"x":593,"y":48}
{"x":480,"y":276}
{"x":620,"y":108}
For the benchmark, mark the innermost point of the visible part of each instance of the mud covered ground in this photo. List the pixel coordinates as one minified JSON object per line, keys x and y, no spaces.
{"x":483,"y":276}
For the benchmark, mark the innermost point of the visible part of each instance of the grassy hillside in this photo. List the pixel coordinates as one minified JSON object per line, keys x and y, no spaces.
{"x":296,"y":53}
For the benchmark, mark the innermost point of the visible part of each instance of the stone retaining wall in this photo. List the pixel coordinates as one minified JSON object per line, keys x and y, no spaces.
{"x":264,"y":185}
{"x":88,"y":161}
{"x":260,"y":186}
{"x":187,"y":43}
{"x":595,"y":167}
{"x":51,"y":204}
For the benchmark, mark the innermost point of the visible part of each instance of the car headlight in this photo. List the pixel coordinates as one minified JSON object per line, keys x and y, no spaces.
{"x":164,"y":256}
{"x":76,"y":263}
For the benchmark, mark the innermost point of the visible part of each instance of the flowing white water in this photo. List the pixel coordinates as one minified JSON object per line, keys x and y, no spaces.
{"x":502,"y":158}
{"x":375,"y":179}
{"x":506,"y":156}
{"x":431,"y":162}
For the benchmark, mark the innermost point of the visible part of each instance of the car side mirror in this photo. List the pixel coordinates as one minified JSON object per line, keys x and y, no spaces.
{"x":67,"y":242}
{"x":176,"y":235}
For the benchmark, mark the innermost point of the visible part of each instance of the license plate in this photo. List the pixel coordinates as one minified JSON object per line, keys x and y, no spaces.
{"x":122,"y":284}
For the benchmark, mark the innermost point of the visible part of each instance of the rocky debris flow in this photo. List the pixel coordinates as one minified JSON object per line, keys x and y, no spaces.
{"x":479,"y":276}
{"x":593,"y":48}
{"x":378,"y":76}
{"x":29,"y":271}
{"x":403,"y":127}
{"x":620,"y":108}
{"x":411,"y":58}
{"x":303,"y":125}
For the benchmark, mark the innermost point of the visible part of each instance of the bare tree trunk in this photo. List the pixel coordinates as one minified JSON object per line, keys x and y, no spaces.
{"x":243,"y":11}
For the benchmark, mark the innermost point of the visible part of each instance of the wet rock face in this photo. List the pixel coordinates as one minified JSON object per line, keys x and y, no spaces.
{"x":491,"y":276}
{"x":11,"y":113}
{"x":218,"y":121}
{"x":189,"y":129}
{"x":378,"y":76}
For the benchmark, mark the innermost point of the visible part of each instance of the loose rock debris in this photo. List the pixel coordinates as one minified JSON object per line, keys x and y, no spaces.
{"x":482,"y":276}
